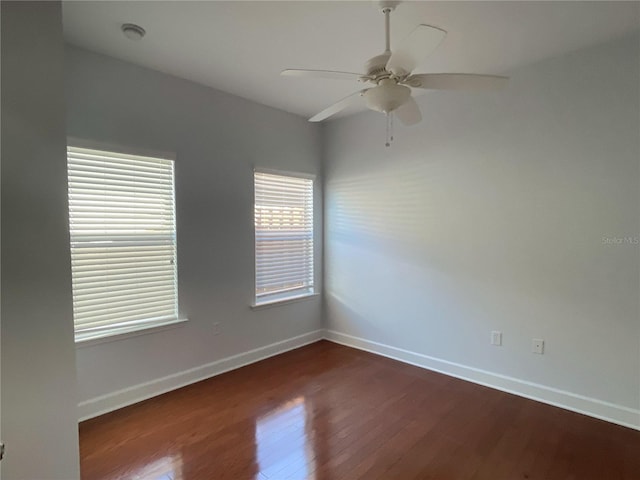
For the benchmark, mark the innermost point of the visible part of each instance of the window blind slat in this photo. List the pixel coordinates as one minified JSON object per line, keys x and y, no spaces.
{"x":117,"y":280}
{"x":161,"y":251}
{"x":83,"y":276}
{"x":282,"y":251}
{"x":100,"y":330}
{"x":115,"y":156}
{"x":290,"y":275}
{"x":123,"y":307}
{"x":117,"y":197}
{"x":293,"y":291}
{"x":97,"y":164}
{"x":123,"y":241}
{"x":140,"y":315}
{"x":283,"y":214}
{"x":83,"y":240}
{"x":116,"y":289}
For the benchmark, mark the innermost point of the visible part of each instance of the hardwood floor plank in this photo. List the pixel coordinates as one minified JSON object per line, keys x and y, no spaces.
{"x":329,"y":412}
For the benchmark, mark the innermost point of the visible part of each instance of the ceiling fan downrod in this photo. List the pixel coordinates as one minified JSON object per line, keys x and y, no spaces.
{"x":387,"y":29}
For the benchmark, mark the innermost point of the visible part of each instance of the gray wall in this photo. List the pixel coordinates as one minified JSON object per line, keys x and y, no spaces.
{"x":39,"y":418}
{"x":515,"y":211}
{"x":217,"y":139}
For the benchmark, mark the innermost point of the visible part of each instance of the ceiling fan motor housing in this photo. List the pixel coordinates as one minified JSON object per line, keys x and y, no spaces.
{"x":387,"y":96}
{"x":377,"y":65}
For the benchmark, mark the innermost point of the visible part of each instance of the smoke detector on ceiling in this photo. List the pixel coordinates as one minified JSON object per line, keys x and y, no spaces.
{"x":133,"y":32}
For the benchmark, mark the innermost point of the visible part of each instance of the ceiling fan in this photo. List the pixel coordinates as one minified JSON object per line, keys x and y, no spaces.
{"x":391,"y":79}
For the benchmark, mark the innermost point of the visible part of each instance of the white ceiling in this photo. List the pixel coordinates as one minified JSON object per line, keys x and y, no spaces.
{"x":240,"y":47}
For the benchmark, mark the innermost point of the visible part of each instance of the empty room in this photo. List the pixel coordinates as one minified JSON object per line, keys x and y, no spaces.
{"x":320,"y":240}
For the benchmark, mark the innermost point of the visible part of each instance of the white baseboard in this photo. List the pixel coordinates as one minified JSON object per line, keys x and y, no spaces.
{"x":128,"y":396}
{"x":610,"y":412}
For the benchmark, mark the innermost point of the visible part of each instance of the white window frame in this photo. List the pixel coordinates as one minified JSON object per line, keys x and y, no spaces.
{"x":166,"y":241}
{"x":307,"y":290}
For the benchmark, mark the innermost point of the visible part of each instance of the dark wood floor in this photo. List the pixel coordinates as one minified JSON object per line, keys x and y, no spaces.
{"x":330,"y":412}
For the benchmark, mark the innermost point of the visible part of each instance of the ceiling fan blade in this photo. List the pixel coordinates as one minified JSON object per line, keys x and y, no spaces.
{"x":457,"y":81}
{"x":338,"y":106}
{"x":414,"y":49}
{"x":409,"y":112}
{"x":322,"y":74}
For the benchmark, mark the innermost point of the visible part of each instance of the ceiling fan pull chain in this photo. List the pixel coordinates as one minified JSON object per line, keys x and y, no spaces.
{"x":387,"y":142}
{"x":391,"y":120}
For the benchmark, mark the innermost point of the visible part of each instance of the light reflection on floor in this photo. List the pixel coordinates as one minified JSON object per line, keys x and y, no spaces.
{"x":165,"y":468}
{"x":284,"y":442}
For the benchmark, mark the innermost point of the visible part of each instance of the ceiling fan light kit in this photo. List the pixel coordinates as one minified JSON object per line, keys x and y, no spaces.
{"x":391,"y":79}
{"x":387,"y":96}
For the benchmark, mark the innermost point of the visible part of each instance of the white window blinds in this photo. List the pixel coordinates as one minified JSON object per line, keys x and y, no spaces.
{"x":123,"y":242}
{"x":284,"y":236}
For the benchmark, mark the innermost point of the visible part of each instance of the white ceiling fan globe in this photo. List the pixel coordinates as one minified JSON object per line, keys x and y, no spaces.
{"x":387,"y":96}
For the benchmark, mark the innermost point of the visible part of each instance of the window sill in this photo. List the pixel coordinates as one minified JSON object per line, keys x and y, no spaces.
{"x":133,"y":333}
{"x":283,"y":301}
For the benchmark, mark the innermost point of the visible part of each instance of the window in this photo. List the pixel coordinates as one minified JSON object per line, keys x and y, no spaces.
{"x":284,"y":237}
{"x":123,"y":242}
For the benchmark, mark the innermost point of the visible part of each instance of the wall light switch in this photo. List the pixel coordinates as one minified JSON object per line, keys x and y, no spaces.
{"x":496,"y":338}
{"x":537,"y":346}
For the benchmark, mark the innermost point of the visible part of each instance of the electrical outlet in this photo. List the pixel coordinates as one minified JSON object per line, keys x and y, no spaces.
{"x":496,"y":338}
{"x":537,"y":346}
{"x":216,"y":328}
